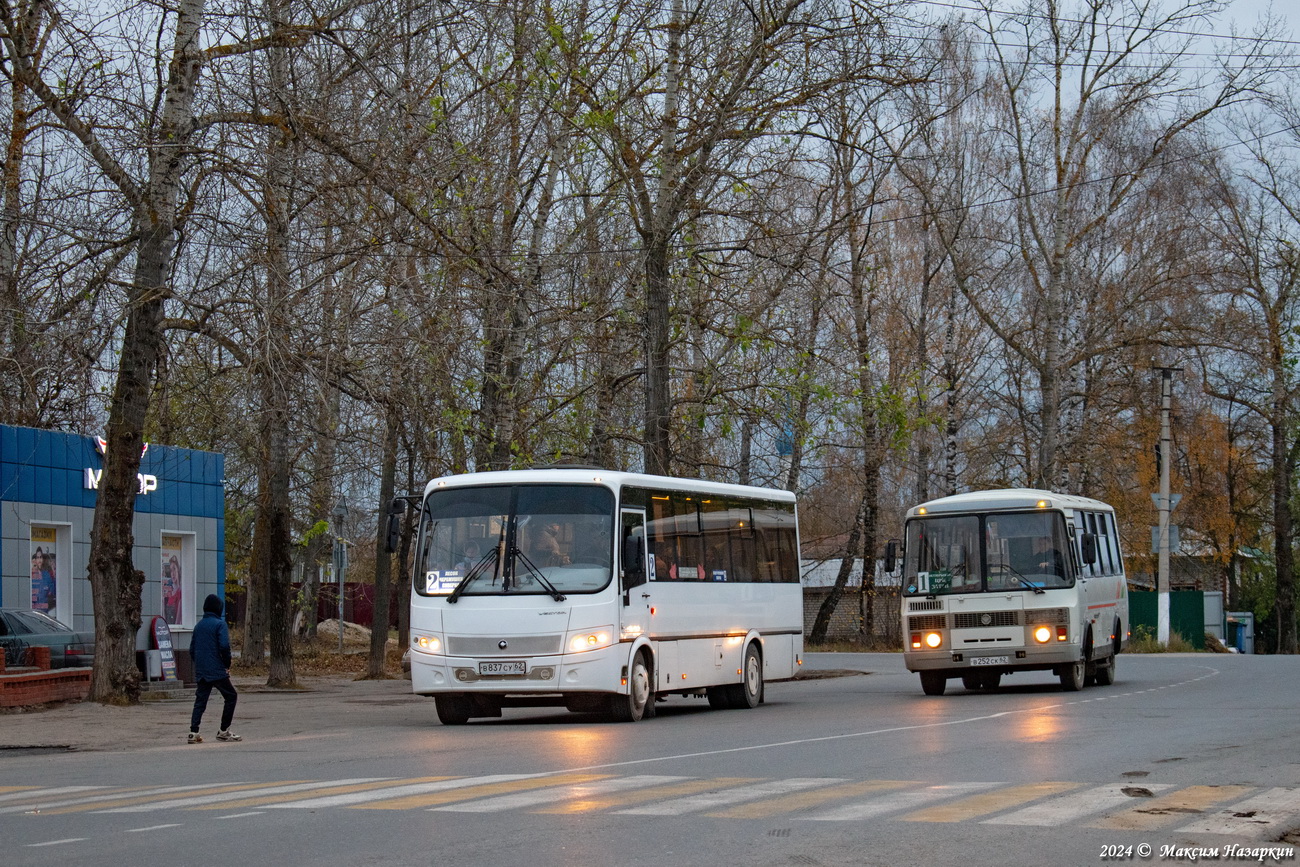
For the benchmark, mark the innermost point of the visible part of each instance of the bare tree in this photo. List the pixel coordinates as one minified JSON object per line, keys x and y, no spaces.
{"x":1258,"y":225}
{"x":1118,"y":106}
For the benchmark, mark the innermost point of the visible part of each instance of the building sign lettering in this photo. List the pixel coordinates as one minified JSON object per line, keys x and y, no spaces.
{"x":147,"y":482}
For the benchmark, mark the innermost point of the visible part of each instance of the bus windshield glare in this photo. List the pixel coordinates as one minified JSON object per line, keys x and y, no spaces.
{"x":1019,"y":551}
{"x":512,"y":539}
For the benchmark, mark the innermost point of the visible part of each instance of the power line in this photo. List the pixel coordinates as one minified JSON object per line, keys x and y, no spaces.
{"x":989,"y":10}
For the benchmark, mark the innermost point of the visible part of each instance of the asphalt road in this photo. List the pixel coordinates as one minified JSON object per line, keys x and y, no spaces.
{"x":1184,"y":751}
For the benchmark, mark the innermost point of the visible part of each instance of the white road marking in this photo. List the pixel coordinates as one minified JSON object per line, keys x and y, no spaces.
{"x":48,"y":793}
{"x":1067,"y":808}
{"x":197,"y":800}
{"x":1263,"y":816}
{"x":893,"y":802}
{"x":399,"y":792}
{"x":56,"y":842}
{"x":240,"y":815}
{"x":136,"y":793}
{"x":737,"y":795}
{"x":562,"y":793}
{"x":152,"y":828}
{"x":1212,"y":672}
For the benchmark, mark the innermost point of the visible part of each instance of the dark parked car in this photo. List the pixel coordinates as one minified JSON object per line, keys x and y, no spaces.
{"x":20,"y":629}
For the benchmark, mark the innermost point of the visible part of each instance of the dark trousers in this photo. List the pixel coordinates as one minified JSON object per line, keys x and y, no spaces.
{"x":205,"y":687}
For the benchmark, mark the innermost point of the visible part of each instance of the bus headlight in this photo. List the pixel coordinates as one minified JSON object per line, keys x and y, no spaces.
{"x":933,"y":640}
{"x":590,"y":639}
{"x":427,"y":643}
{"x":1042,"y":634}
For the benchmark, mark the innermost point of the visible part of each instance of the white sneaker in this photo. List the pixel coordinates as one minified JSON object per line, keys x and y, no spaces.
{"x":228,"y":735}
{"x":195,"y":738}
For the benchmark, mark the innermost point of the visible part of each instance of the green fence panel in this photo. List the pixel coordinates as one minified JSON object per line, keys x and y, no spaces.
{"x":1186,"y":614}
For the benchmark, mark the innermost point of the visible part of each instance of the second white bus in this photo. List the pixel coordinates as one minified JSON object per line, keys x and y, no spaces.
{"x":601,"y":591}
{"x":996,"y":582}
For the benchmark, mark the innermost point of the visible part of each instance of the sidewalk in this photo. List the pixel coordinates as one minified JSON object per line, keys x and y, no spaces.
{"x":82,"y":726}
{"x":330,"y":701}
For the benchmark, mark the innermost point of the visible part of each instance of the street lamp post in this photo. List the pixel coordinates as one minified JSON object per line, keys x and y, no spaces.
{"x":340,"y":515}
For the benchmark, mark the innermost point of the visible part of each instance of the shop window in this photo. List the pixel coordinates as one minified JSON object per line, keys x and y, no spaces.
{"x":176,"y":579}
{"x":51,"y":586}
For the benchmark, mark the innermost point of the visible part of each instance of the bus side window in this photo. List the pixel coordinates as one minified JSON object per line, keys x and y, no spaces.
{"x":634,"y":565}
{"x":1097,"y":567}
{"x":740,"y":536}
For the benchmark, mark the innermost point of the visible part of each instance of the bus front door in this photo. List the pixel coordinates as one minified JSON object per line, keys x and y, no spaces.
{"x":633,"y":573}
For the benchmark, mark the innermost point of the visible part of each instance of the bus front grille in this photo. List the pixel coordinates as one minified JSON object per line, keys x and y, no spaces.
{"x":1048,"y":616}
{"x":925,"y":605}
{"x":977,"y":619}
{"x":515,"y":645}
{"x":927,"y":621}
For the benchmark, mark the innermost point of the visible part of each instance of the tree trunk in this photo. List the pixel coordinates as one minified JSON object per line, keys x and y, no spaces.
{"x":1283,"y":534}
{"x":658,"y":394}
{"x":383,"y":559}
{"x":15,"y":351}
{"x":279,"y":562}
{"x":404,"y":559}
{"x":824,"y":613}
{"x":116,"y":584}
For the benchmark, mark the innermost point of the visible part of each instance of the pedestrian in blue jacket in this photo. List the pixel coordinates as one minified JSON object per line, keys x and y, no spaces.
{"x":210,"y":652}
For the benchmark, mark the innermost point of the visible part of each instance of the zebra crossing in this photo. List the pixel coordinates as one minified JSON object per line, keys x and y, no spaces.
{"x":1252,"y":812}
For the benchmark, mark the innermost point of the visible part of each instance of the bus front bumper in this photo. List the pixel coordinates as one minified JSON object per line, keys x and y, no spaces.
{"x":591,"y":671}
{"x":1004,"y":660}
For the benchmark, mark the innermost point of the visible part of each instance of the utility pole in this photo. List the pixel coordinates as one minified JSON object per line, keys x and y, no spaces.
{"x":1163,"y":502}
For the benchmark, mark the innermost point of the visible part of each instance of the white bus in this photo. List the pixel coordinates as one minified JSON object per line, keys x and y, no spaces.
{"x":996,"y":582}
{"x":601,"y":591}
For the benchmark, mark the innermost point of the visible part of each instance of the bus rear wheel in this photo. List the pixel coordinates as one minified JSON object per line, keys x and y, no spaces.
{"x":633,"y":706}
{"x":1105,"y":671}
{"x":1073,"y":675}
{"x":453,"y":710}
{"x":933,"y":682}
{"x":746,"y":694}
{"x":749,"y":692}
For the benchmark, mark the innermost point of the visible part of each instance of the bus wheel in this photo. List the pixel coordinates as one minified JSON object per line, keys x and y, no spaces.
{"x":632,"y":707}
{"x":933,"y":682}
{"x":1072,"y":676}
{"x":453,"y":710}
{"x":972,"y":681}
{"x":719,"y":697}
{"x":1105,"y":671}
{"x":749,"y":692}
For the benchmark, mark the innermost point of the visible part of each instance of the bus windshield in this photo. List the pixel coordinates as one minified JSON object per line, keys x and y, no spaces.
{"x":512,"y":539}
{"x":991,"y":553}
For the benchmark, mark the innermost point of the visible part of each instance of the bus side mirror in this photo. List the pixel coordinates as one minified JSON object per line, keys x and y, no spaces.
{"x":1089,"y":548}
{"x":396,"y":510}
{"x":633,"y":561}
{"x":891,"y":556}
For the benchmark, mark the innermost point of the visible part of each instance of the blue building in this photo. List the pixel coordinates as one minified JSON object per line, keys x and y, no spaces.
{"x":48,"y":489}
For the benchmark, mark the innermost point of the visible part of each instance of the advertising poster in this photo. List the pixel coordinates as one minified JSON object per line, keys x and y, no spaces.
{"x":172,"y":593}
{"x":44,"y":587}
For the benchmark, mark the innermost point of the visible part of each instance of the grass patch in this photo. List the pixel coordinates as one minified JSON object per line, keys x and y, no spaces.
{"x":1144,"y":640}
{"x":320,"y":657}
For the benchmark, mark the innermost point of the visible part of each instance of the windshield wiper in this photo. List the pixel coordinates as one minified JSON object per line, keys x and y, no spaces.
{"x":1022,"y":579}
{"x":472,"y":574}
{"x":537,"y":573}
